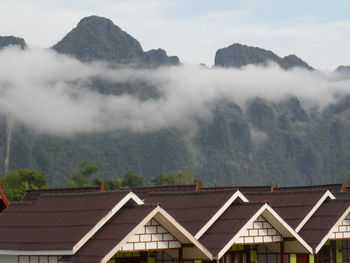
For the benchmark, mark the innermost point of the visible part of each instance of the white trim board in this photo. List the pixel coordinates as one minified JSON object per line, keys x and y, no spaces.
{"x":285,"y":226}
{"x":325,"y":196}
{"x":158,"y":211}
{"x":326,"y":237}
{"x":233,"y":198}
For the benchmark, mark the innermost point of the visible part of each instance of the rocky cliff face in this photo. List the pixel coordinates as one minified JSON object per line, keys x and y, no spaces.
{"x":238,"y":55}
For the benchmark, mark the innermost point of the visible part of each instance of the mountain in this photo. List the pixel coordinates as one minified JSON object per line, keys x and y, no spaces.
{"x":238,"y":55}
{"x":11,"y":40}
{"x":343,"y":69}
{"x":97,"y":38}
{"x":262,"y":143}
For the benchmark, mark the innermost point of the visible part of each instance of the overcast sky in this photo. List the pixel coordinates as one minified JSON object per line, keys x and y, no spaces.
{"x":317,"y":31}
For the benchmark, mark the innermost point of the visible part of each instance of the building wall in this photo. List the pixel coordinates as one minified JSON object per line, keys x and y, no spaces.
{"x":260,"y":231}
{"x":8,"y":259}
{"x":28,"y":259}
{"x":152,"y":236}
{"x":342,"y":231}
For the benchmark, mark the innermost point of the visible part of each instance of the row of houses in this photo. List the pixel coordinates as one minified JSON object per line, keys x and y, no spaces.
{"x":178,"y":224}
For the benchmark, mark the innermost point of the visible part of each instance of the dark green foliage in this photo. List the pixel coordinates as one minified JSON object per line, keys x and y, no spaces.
{"x":84,"y":176}
{"x":175,"y":178}
{"x":131,"y":179}
{"x":238,"y":55}
{"x":16,"y":182}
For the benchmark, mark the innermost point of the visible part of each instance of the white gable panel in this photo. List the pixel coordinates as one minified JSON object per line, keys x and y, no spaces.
{"x":260,"y":231}
{"x":151,"y":236}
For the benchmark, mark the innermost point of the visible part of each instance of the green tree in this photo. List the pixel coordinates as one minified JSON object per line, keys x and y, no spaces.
{"x":15,"y":183}
{"x":84,"y":176}
{"x":175,"y":178}
{"x":131,"y":179}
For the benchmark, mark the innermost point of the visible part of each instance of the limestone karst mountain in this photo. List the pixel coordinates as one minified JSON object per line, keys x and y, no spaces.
{"x":238,"y":55}
{"x":264,"y":143}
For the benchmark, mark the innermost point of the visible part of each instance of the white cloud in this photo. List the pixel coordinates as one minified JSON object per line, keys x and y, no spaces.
{"x":50,"y":93}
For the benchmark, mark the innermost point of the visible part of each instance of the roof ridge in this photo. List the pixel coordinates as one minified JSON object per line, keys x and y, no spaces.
{"x":300,"y":191}
{"x":195,"y":193}
{"x":86,"y":193}
{"x":63,"y":189}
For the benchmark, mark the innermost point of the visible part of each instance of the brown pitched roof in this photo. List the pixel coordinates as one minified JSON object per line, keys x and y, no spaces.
{"x":32,"y":195}
{"x":54,"y":222}
{"x":228,"y":225}
{"x":244,"y":188}
{"x":111,"y":234}
{"x":342,"y":195}
{"x":192,"y":209}
{"x":291,"y":206}
{"x":323,"y":220}
{"x":331,"y":187}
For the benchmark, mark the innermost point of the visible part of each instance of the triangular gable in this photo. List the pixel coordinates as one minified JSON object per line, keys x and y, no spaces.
{"x":269,"y":221}
{"x":150,"y":237}
{"x":159,"y":222}
{"x":260,"y":231}
{"x":342,"y":229}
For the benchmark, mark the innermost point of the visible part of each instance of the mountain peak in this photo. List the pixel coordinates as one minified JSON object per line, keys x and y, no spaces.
{"x":11,"y":40}
{"x":237,"y":55}
{"x":97,"y":38}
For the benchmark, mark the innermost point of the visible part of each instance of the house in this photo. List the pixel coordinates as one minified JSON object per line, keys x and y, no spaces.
{"x":178,"y":224}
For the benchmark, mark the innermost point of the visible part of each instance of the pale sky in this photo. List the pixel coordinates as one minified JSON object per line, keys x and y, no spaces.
{"x":316,"y":31}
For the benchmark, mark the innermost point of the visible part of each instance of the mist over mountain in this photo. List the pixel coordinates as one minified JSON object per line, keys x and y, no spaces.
{"x":236,"y":123}
{"x":238,"y":55}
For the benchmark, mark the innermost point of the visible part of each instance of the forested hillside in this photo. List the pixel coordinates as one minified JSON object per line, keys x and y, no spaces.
{"x":264,"y":142}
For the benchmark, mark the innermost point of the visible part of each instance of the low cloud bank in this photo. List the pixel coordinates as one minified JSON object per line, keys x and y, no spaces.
{"x":51,"y":93}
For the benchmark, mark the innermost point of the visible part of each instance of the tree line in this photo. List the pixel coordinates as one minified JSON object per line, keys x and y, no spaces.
{"x":15,"y":183}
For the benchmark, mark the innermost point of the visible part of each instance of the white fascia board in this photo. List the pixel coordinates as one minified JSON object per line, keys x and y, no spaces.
{"x":253,"y":218}
{"x":151,"y":215}
{"x":326,"y":195}
{"x":326,"y":237}
{"x":240,"y":232}
{"x":37,"y":252}
{"x":187,"y":234}
{"x":233,"y":198}
{"x":289,"y":229}
{"x":130,"y":235}
{"x":104,"y":220}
